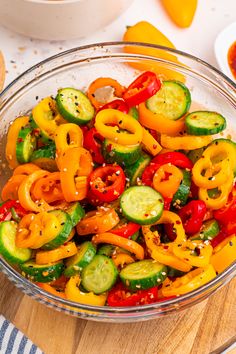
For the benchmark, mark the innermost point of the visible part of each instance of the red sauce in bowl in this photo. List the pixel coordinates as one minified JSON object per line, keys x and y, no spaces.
{"x":232,"y":58}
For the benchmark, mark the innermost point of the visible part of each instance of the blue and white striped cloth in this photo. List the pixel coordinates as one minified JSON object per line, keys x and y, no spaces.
{"x":13,"y":341}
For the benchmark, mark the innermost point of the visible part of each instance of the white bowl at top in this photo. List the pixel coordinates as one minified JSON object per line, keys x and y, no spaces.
{"x":59,"y":19}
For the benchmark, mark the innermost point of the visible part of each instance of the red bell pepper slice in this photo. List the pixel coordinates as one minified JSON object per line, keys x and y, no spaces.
{"x":227,"y":214}
{"x":149,"y":172}
{"x":107,"y":183}
{"x":120,"y":296}
{"x":11,"y":210}
{"x":192,"y":215}
{"x":120,"y":105}
{"x":144,"y":87}
{"x":92,"y":142}
{"x":126,"y":230}
{"x":175,"y":158}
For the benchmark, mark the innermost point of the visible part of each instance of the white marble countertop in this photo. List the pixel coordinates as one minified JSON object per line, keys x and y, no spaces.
{"x":211,"y":17}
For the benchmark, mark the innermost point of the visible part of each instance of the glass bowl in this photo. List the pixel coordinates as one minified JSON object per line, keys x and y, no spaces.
{"x":78,"y":67}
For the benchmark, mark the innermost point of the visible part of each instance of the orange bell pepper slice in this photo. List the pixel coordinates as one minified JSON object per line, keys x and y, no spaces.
{"x":167,"y":187}
{"x":52,"y":290}
{"x":76,"y":165}
{"x":67,"y":250}
{"x":158,"y":122}
{"x":48,"y":188}
{"x":120,"y":241}
{"x":10,"y":190}
{"x":24,"y":193}
{"x":12,"y":137}
{"x":98,"y":221}
{"x":25,"y":169}
{"x":103,"y":82}
{"x":224,"y":254}
{"x":121,"y":259}
{"x":25,"y":238}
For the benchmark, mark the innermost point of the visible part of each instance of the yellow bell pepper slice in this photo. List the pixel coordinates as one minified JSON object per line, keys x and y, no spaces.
{"x":73,"y":293}
{"x":168,"y":217}
{"x":123,"y":122}
{"x":64,"y":251}
{"x":224,"y":254}
{"x":45,"y":226}
{"x":12,"y":137}
{"x":219,"y":151}
{"x":121,"y":259}
{"x":167,"y":187}
{"x":150,"y":144}
{"x":189,"y":282}
{"x":220,"y":200}
{"x":145,"y":32}
{"x":187,"y":142}
{"x":187,"y":250}
{"x":181,"y":11}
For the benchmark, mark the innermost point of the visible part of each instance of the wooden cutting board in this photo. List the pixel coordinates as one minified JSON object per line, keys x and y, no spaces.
{"x":199,"y":330}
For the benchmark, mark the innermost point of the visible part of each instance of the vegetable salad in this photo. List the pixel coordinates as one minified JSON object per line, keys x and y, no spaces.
{"x":120,"y":204}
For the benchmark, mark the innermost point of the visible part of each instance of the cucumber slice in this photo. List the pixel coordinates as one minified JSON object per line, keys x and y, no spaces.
{"x":204,"y":123}
{"x":181,"y":196}
{"x":8,"y":249}
{"x":209,"y":230}
{"x":76,"y":213}
{"x":48,"y":152}
{"x":222,"y":141}
{"x":75,"y":264}
{"x":142,"y":204}
{"x":39,"y":133}
{"x":172,"y":101}
{"x":194,"y":155}
{"x":174,"y":273}
{"x":143,"y":274}
{"x":100,"y":275}
{"x":42,"y":273}
{"x":135,"y":171}
{"x":63,"y":232}
{"x":135,"y":236}
{"x":106,"y":250}
{"x":134,"y":112}
{"x":74,"y":106}
{"x":25,"y":145}
{"x":123,"y":155}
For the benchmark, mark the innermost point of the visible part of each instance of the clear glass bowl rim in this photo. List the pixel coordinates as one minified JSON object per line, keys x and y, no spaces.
{"x":18,"y":278}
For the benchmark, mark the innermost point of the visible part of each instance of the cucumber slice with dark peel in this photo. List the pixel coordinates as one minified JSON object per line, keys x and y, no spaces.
{"x":76,"y":213}
{"x":142,"y":204}
{"x":172,"y":101}
{"x":174,"y":273}
{"x":134,"y":113}
{"x":74,"y":106}
{"x":63,"y":232}
{"x":194,"y":155}
{"x":48,"y":152}
{"x":100,"y":275}
{"x":204,"y":123}
{"x":181,"y":196}
{"x":123,"y":155}
{"x":25,"y":145}
{"x":135,"y":171}
{"x":135,"y":236}
{"x":75,"y":264}
{"x":143,"y":274}
{"x":8,"y":249}
{"x":106,"y":250}
{"x":209,"y":230}
{"x":42,"y":273}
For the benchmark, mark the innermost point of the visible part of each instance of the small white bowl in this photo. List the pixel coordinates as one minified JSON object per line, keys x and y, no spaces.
{"x":222,"y":44}
{"x":59,"y":19}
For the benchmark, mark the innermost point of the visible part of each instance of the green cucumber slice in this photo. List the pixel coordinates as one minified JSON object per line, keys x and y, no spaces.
{"x":172,"y":101}
{"x":134,"y":112}
{"x":181,"y":196}
{"x":135,"y":171}
{"x":74,"y":106}
{"x":48,"y":152}
{"x":8,"y":249}
{"x":38,"y":132}
{"x":25,"y":145}
{"x":75,"y":264}
{"x":142,"y":204}
{"x":42,"y":273}
{"x":204,"y":123}
{"x":224,"y":141}
{"x":123,"y":155}
{"x":63,"y":232}
{"x":209,"y":230}
{"x":143,"y":274}
{"x":100,"y":275}
{"x":194,"y":155}
{"x":76,"y":213}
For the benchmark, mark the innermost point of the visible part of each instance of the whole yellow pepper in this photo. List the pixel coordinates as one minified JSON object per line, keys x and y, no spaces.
{"x":181,"y":11}
{"x":145,"y":32}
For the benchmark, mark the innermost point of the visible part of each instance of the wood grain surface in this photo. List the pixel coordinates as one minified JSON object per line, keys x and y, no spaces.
{"x":199,"y":330}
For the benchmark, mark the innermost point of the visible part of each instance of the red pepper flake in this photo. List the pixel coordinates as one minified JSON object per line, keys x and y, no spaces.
{"x":20,"y":140}
{"x":154,"y":146}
